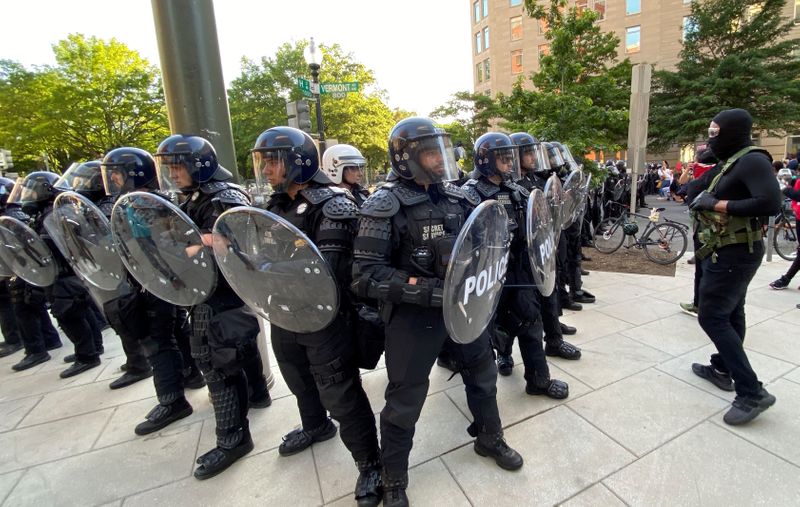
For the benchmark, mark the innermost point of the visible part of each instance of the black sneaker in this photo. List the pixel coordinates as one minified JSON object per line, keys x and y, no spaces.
{"x":746,"y":408}
{"x":164,"y":415}
{"x":572,"y":305}
{"x":79,"y":367}
{"x":562,"y":349}
{"x":495,"y":446}
{"x":300,"y":439}
{"x":31,"y":360}
{"x":505,"y":364}
{"x":779,"y":284}
{"x":129,"y":378}
{"x":718,"y":378}
{"x":567,"y":330}
{"x":582,"y":296}
{"x":556,"y":389}
{"x":7,"y":349}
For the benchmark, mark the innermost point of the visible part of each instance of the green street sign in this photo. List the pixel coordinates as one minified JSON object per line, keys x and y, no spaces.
{"x":338,"y":89}
{"x":305,"y":86}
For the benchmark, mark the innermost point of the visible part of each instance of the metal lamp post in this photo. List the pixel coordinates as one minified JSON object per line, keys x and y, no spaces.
{"x":313,"y":57}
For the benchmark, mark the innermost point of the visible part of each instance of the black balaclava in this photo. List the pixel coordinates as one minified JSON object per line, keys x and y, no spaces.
{"x":734,"y":132}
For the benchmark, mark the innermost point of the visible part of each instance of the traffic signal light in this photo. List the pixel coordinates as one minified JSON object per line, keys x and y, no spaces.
{"x":299,"y":115}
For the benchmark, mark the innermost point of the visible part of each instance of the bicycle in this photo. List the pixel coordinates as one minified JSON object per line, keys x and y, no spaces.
{"x":784,"y":242}
{"x":663,"y":240}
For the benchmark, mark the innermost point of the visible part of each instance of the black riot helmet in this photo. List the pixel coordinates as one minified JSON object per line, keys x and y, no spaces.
{"x":554,"y":156}
{"x":496,"y":155}
{"x":85,"y":178}
{"x":421,"y":151}
{"x":532,"y":157}
{"x":569,"y":160}
{"x":6,"y":186}
{"x":184,"y":162}
{"x":127,"y":169}
{"x":34,"y":192}
{"x":284,"y":155}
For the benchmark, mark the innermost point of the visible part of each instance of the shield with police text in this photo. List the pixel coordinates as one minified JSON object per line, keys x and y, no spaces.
{"x":163,"y":249}
{"x":554,"y":195}
{"x":26,"y":254}
{"x":84,"y":237}
{"x":475,"y":272}
{"x":541,"y":242}
{"x":276,"y":269}
{"x":572,"y":198}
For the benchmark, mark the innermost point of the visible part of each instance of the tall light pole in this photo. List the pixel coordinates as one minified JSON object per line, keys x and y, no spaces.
{"x":313,"y":58}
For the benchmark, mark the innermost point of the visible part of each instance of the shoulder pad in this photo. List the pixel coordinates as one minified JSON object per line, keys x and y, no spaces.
{"x":233,"y":196}
{"x":467,"y":191}
{"x":212,"y":187}
{"x":408,"y":196}
{"x":382,"y":204}
{"x":516,"y":187}
{"x":317,"y":195}
{"x":486,"y":189}
{"x":340,"y":208}
{"x":106,"y":207}
{"x":18,"y":214}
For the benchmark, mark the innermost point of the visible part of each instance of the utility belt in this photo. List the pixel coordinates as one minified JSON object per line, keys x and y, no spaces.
{"x":716,"y":230}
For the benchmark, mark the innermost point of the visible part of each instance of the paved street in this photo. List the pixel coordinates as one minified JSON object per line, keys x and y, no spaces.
{"x":638,"y":428}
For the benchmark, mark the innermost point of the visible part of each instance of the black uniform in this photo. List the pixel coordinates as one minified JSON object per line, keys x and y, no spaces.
{"x":401,"y":225}
{"x":359,"y":193}
{"x":321,"y":368}
{"x":224,"y":333}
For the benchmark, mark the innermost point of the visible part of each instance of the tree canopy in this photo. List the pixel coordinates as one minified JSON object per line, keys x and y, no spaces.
{"x":736,"y":53}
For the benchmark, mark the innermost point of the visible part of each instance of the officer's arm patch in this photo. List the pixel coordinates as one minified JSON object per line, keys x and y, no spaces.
{"x":381,"y":204}
{"x":317,"y":195}
{"x":340,"y":208}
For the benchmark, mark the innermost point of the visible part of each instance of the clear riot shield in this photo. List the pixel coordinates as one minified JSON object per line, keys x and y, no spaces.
{"x":163,"y":249}
{"x":83,"y":234}
{"x":5,"y":271}
{"x":541,"y":242}
{"x":554,"y":195}
{"x":275,"y":269}
{"x":572,"y":198}
{"x":26,"y":254}
{"x":476,"y":272}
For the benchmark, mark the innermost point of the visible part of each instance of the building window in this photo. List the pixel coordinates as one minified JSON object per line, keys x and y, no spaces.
{"x":542,"y":26}
{"x":544,"y":49}
{"x":477,"y":9}
{"x":486,"y":69}
{"x":485,"y":8}
{"x":633,"y":7}
{"x":486,"y":38}
{"x":479,"y":72}
{"x":516,"y":28}
{"x":478,"y":43}
{"x":633,"y":35}
{"x":514,"y":3}
{"x":516,"y":61}
{"x":597,"y":5}
{"x":797,"y":11}
{"x":792,"y":145}
{"x":689,"y":26}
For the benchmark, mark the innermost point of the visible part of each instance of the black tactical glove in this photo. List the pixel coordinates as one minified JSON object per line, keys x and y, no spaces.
{"x":704,"y":201}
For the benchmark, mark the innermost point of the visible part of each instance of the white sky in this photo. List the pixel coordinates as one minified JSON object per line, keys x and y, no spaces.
{"x":420,"y":50}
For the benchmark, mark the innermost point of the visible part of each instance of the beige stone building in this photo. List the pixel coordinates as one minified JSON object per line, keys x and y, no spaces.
{"x":506,"y":43}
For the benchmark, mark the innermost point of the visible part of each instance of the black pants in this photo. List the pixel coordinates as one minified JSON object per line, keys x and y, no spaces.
{"x":69,"y":297}
{"x":36,"y":328}
{"x":795,"y":267}
{"x":320,"y":370}
{"x":160,"y":347}
{"x":723,"y":288}
{"x":8,"y":323}
{"x":414,"y":338}
{"x":573,"y":260}
{"x":550,"y":311}
{"x":562,"y":271}
{"x":519,"y":314}
{"x":698,"y":272}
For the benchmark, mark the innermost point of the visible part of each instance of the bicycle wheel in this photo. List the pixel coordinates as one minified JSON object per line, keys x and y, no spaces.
{"x":609,"y":235}
{"x":665,"y":243}
{"x":785,"y":240}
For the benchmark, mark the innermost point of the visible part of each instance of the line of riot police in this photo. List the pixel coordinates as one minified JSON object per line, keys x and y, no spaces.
{"x":420,"y":269}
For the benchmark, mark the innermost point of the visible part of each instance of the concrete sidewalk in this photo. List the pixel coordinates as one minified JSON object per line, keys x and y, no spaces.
{"x":638,"y":428}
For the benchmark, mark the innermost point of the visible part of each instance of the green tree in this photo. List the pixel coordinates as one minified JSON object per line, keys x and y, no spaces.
{"x":581,"y":92}
{"x":735,"y":54}
{"x":471,"y":116}
{"x":258,"y":96}
{"x":98,"y":96}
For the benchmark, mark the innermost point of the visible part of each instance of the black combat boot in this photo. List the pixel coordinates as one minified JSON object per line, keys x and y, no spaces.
{"x":193,"y":379}
{"x":233,"y":433}
{"x":369,"y":487}
{"x":394,"y":491}
{"x":129,"y":378}
{"x":301,"y":439}
{"x":31,"y":360}
{"x":218,"y":459}
{"x":505,"y":364}
{"x":556,"y":389}
{"x":562,"y":349}
{"x":494,"y":446}
{"x":7,"y":349}
{"x":171,"y":407}
{"x":80,"y":367}
{"x":569,"y":330}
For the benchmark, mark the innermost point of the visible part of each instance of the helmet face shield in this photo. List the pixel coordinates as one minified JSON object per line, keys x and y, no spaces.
{"x":532,"y":158}
{"x":272,"y":170}
{"x":554,"y":156}
{"x":176,"y":172}
{"x":430,"y":159}
{"x":82,"y":178}
{"x":15,"y":197}
{"x":568,"y":158}
{"x":506,"y":164}
{"x":30,"y":190}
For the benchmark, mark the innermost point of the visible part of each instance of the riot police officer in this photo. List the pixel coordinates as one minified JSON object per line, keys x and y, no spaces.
{"x":518,"y":313}
{"x":406,"y":231}
{"x":67,"y":295}
{"x":320,"y":368}
{"x":344,"y":165}
{"x":224,"y":330}
{"x":8,"y":323}
{"x":535,"y":169}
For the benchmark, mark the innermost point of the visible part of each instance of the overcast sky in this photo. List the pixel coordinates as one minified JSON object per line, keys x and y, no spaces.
{"x":419,"y":49}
